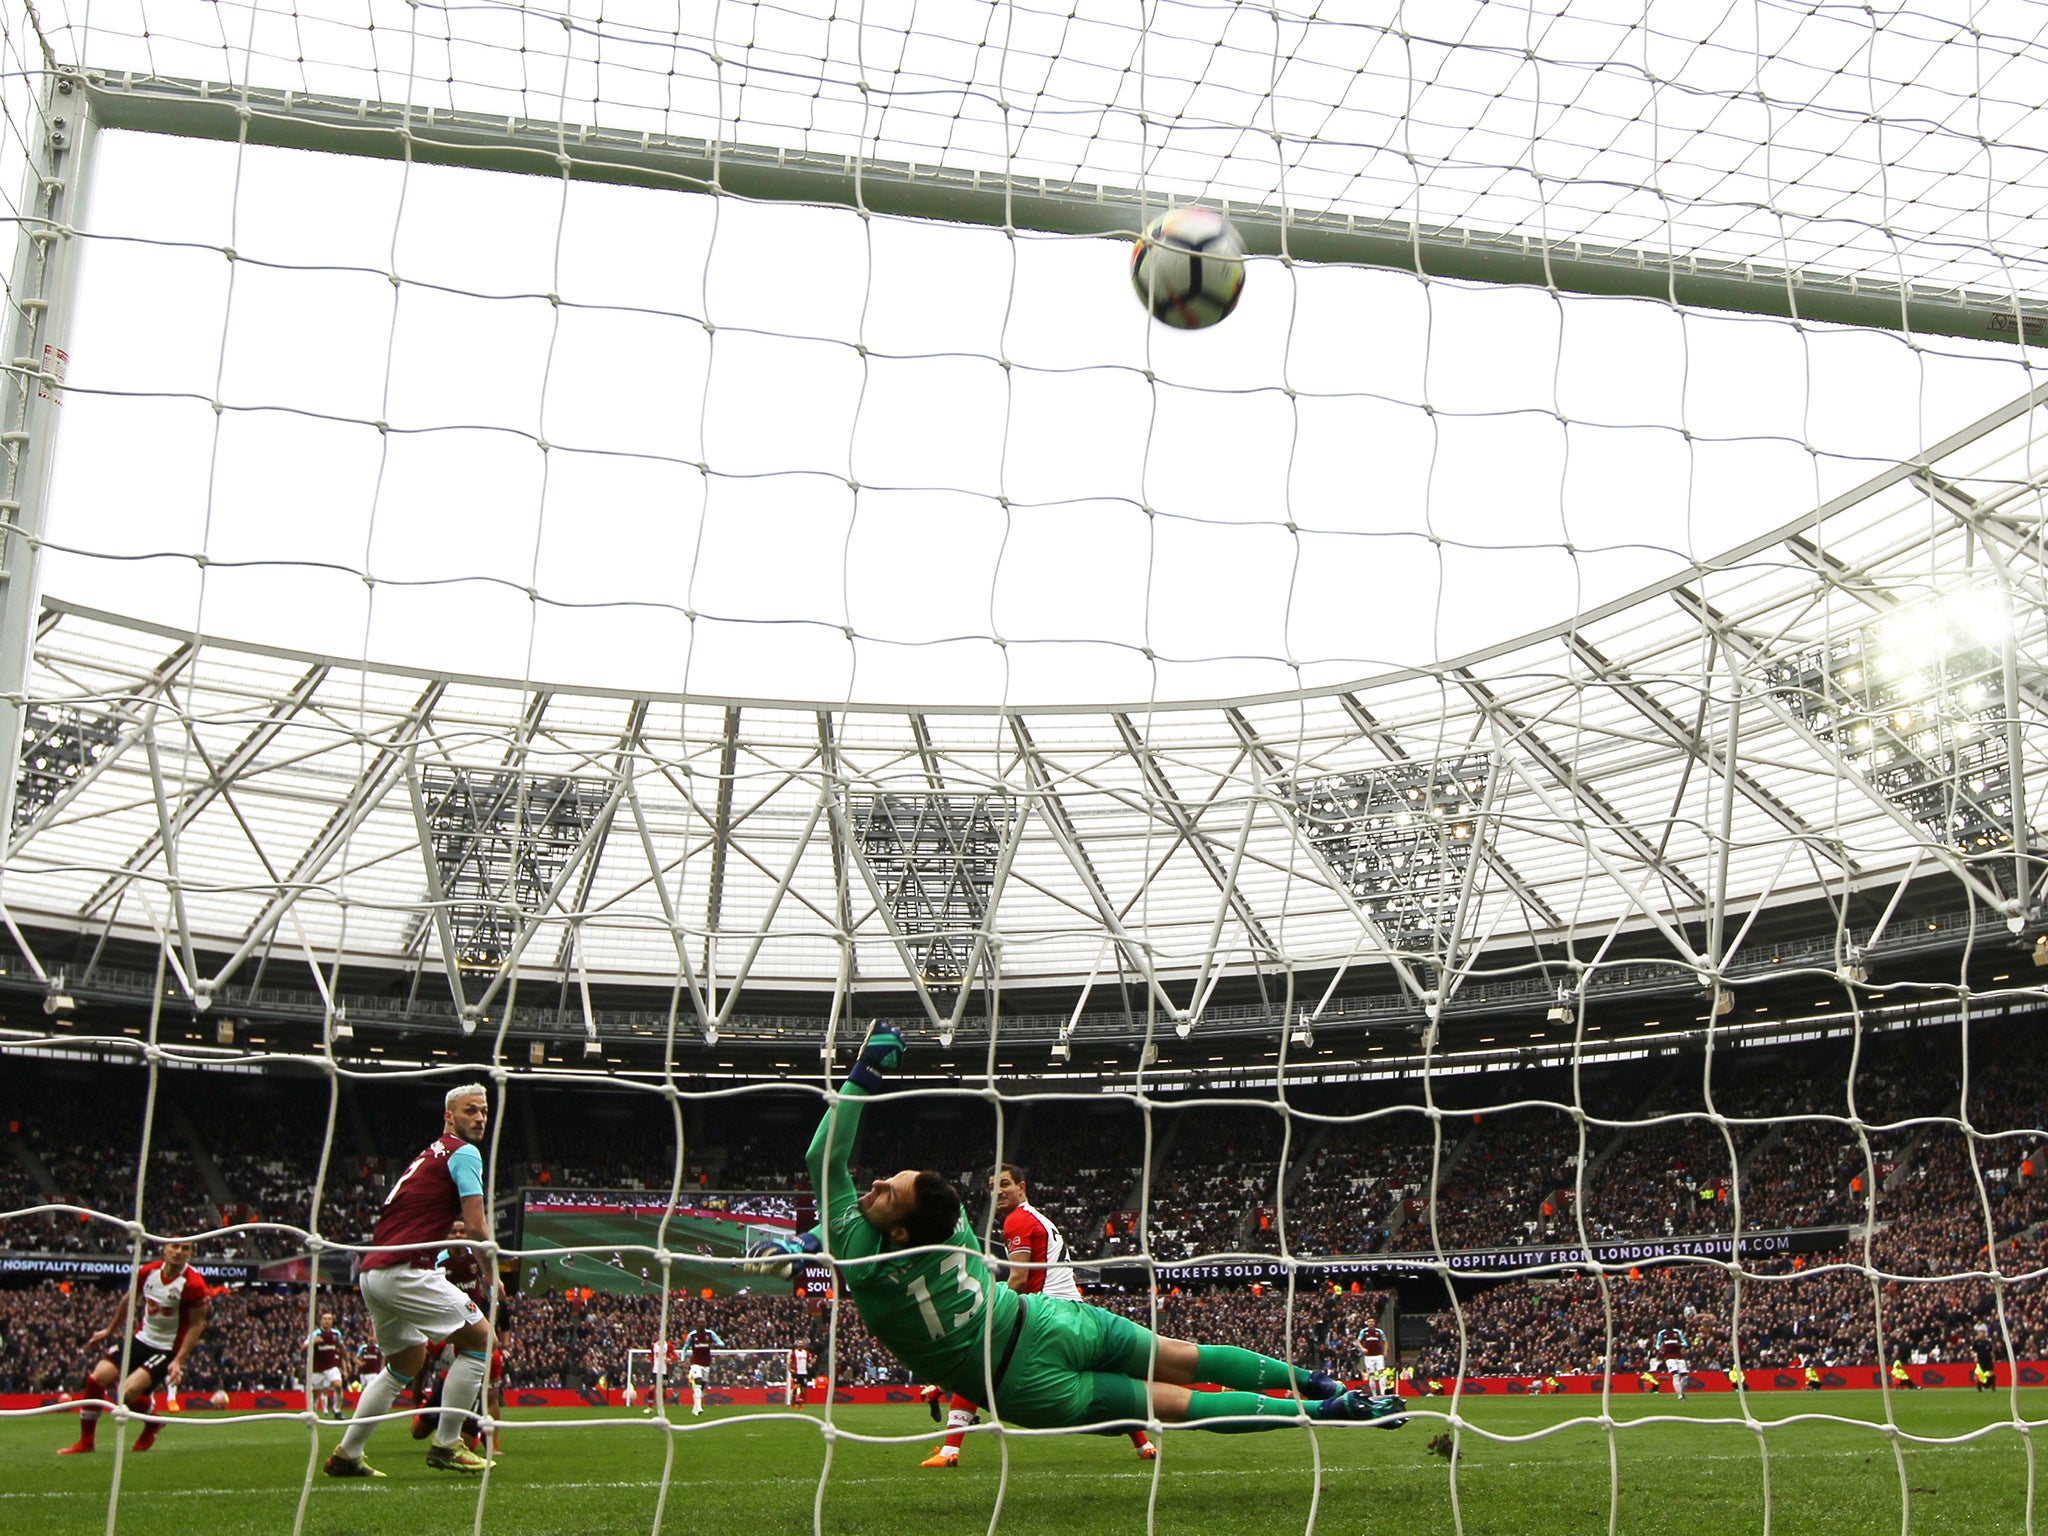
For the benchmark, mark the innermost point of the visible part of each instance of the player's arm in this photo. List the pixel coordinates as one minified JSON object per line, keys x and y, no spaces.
{"x":114,"y":1320}
{"x":829,"y":1158}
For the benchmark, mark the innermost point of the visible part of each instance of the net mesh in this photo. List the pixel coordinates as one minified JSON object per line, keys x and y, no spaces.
{"x":1562,"y":873}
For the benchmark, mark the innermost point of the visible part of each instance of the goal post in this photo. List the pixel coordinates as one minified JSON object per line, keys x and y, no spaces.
{"x":59,"y":138}
{"x":583,"y":152}
{"x":731,"y":1369}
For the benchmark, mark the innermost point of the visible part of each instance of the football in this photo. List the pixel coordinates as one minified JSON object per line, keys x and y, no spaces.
{"x":220,"y":1399}
{"x":1188,"y":268}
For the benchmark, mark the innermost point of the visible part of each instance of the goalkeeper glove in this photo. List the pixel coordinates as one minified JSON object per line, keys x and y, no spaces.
{"x":880,"y":1052}
{"x":774,"y":1254}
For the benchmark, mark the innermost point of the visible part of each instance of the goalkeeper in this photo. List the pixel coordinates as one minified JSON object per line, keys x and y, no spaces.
{"x":909,"y":1262}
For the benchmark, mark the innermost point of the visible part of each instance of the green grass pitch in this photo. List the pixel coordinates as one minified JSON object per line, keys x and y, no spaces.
{"x":750,"y":1474}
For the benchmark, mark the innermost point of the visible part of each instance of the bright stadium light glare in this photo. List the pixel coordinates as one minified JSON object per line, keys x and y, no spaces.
{"x":1915,"y":701}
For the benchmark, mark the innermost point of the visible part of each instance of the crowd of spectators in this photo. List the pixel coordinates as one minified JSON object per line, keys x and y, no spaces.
{"x":1828,"y":1308}
{"x":1809,"y":1136}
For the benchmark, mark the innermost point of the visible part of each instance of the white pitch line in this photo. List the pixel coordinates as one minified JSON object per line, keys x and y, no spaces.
{"x":1129,"y":1473}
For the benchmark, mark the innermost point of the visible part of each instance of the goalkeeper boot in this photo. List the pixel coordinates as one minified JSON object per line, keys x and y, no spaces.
{"x":1321,"y":1387}
{"x":942,"y":1456}
{"x":456,"y":1458}
{"x":935,"y":1399}
{"x":339,"y":1465}
{"x":1357,"y":1407}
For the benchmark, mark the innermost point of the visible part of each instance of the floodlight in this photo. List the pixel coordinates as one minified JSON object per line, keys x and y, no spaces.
{"x":934,"y":858}
{"x":224,"y":1030}
{"x":591,"y":1047}
{"x":1061,"y":1051}
{"x":1399,"y":839}
{"x":537,"y":1053}
{"x":59,"y":1005}
{"x":1304,"y":1036}
{"x":59,"y":746}
{"x":501,"y":839}
{"x":2040,"y":950}
{"x":1565,"y":1010}
{"x":1915,"y":705}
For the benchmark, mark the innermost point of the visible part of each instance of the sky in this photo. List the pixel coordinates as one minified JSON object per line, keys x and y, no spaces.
{"x":665,"y":440}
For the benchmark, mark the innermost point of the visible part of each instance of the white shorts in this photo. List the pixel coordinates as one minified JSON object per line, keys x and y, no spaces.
{"x":414,"y":1306}
{"x":323,"y":1381}
{"x":700,"y":1373}
{"x":1373,"y":1364}
{"x":1675,"y":1368}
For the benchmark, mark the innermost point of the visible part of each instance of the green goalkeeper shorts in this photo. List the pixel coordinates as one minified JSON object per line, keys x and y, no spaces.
{"x":1076,"y":1365}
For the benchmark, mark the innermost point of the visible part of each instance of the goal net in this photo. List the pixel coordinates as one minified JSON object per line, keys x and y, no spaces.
{"x":733,"y":1372}
{"x":1475,"y":814}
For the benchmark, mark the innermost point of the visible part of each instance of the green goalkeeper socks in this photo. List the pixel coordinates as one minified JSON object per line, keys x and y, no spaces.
{"x":1249,"y":1409}
{"x":1225,"y":1365}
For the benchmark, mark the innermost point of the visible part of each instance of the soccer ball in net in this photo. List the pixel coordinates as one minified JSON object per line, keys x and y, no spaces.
{"x":1188,"y":267}
{"x":220,"y":1399}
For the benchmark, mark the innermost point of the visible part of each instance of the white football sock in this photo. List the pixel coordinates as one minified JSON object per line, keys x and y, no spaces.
{"x":379,"y":1393}
{"x":460,"y":1394}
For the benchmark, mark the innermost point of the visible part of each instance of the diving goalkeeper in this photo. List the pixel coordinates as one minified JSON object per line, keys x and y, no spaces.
{"x":908,"y":1260}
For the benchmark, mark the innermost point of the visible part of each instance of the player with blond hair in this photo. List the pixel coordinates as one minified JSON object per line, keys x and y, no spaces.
{"x":412,"y":1303}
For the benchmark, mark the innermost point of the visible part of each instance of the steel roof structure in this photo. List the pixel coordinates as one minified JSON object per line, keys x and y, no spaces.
{"x":1831,"y":709}
{"x":1847,"y":706}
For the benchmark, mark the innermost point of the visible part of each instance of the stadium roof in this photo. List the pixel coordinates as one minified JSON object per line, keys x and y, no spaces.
{"x":1820,"y":711}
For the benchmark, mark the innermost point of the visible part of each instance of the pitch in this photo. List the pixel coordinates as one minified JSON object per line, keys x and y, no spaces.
{"x":569,"y":1474}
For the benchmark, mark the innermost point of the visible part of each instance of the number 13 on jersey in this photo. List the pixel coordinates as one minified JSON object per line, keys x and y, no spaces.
{"x":954,"y":1288}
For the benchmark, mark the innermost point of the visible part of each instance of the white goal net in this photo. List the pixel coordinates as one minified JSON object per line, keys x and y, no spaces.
{"x":1475,"y":814}
{"x":732,"y":1370}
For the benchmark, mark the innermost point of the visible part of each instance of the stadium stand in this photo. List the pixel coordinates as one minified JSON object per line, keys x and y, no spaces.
{"x":1350,"y":1175}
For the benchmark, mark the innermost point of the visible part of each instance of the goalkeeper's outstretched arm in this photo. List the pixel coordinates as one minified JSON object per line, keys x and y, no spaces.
{"x":829,"y":1160}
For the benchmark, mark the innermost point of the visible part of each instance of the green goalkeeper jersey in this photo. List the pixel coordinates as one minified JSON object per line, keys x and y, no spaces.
{"x":937,"y":1311}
